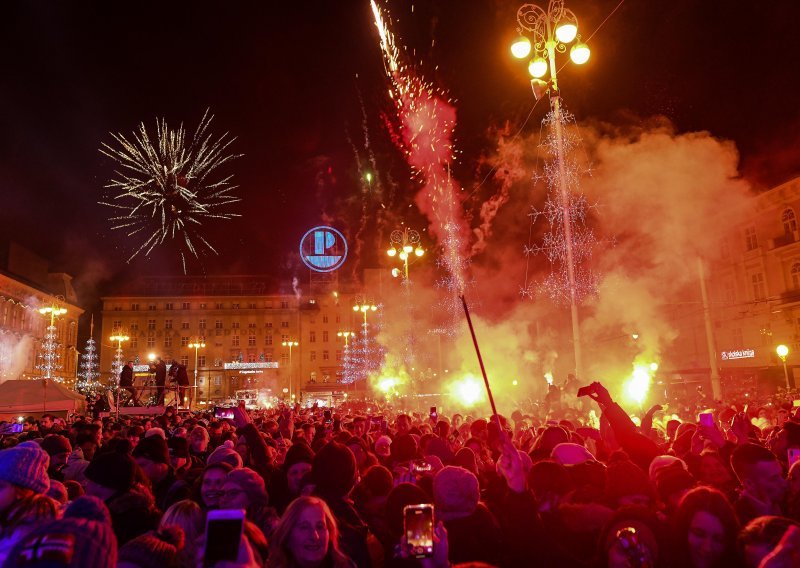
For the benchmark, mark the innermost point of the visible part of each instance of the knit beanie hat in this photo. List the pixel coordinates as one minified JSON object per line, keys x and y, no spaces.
{"x":226,"y":453}
{"x":155,"y":431}
{"x":25,"y":465}
{"x":113,"y":470}
{"x":661,"y":462}
{"x":84,"y":538}
{"x":568,"y":453}
{"x":154,"y":548}
{"x":56,"y":444}
{"x":624,"y":478}
{"x":298,"y":453}
{"x":383,"y":446}
{"x":334,"y":470}
{"x":153,"y":448}
{"x":672,"y":479}
{"x":455,"y":492}
{"x":251,"y":483}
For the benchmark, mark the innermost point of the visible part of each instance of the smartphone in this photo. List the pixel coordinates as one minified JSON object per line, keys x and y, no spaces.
{"x":418,"y":526}
{"x":794,"y":455}
{"x":706,"y":419}
{"x":796,"y":403}
{"x":420,"y":467}
{"x":433,"y":414}
{"x":220,"y":412}
{"x":224,"y":529}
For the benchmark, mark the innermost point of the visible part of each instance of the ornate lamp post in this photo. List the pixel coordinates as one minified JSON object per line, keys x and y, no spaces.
{"x":346,"y":335}
{"x":405,"y":245}
{"x":365,"y":307}
{"x":290,"y":345}
{"x":783,"y":352}
{"x":552,"y":31}
{"x":200,"y":344}
{"x":50,"y":356}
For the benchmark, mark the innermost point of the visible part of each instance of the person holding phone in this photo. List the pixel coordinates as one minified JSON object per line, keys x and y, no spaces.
{"x":307,"y":536}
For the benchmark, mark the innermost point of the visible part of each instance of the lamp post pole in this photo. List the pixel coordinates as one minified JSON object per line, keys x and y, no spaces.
{"x":552,"y":30}
{"x":403,"y":244}
{"x":783,"y":352}
{"x":51,"y":339}
{"x":118,"y":337}
{"x":290,"y":345}
{"x":197,"y":345}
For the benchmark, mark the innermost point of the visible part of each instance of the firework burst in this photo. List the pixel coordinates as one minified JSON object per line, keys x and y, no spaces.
{"x":166,"y":187}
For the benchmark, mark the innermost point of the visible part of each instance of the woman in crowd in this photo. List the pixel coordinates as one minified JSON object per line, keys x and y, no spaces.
{"x":211,"y":483}
{"x":244,"y":489}
{"x":187,"y":516}
{"x":705,"y":530}
{"x":307,"y":537}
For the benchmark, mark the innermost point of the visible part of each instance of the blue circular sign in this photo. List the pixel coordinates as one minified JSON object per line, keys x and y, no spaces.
{"x":323,"y":249}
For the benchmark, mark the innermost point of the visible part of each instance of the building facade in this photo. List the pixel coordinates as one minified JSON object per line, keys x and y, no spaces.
{"x":248,"y":326}
{"x":26,"y":285}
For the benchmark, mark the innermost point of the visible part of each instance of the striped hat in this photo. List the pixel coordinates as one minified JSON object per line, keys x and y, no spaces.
{"x":25,"y":465}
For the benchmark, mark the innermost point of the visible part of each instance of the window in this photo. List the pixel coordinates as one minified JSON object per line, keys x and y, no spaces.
{"x":284,"y":337}
{"x":116,"y":324}
{"x":324,"y":337}
{"x":168,"y":341}
{"x":219,"y":305}
{"x":268,"y":339}
{"x":269,"y":325}
{"x":151,"y":307}
{"x":312,"y":336}
{"x":217,"y":381}
{"x":338,"y":354}
{"x":134,"y":326}
{"x":186,"y":306}
{"x":730,"y":291}
{"x":201,"y":361}
{"x":184,"y":325}
{"x":789,"y":221}
{"x":796,"y":276}
{"x":217,"y":324}
{"x":268,"y":356}
{"x":284,"y":304}
{"x":759,"y":286}
{"x":326,"y":355}
{"x":135,"y":307}
{"x":338,"y":318}
{"x":251,"y":341}
{"x":284,"y":359}
{"x":235,"y":325}
{"x":738,"y":341}
{"x":167,"y":324}
{"x":202,"y":324}
{"x":313,"y":355}
{"x":151,"y":341}
{"x":251,"y":357}
{"x":284,"y":324}
{"x":168,"y":306}
{"x":184,"y":341}
{"x":325,"y":319}
{"x":235,"y":341}
{"x":251,"y":326}
{"x":218,"y":362}
{"x":184,"y":360}
{"x":235,"y":306}
{"x":151,"y":324}
{"x":251,"y":305}
{"x":750,"y":238}
{"x":134,"y":342}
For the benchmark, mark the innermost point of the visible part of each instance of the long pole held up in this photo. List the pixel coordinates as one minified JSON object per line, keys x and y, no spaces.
{"x":480,"y":360}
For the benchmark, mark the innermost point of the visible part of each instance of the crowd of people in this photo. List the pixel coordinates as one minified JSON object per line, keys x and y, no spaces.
{"x":583,"y":484}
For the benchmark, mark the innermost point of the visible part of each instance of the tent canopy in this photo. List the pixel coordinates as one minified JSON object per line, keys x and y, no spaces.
{"x":23,"y":397}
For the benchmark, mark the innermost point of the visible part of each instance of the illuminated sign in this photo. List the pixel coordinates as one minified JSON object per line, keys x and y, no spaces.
{"x":738,"y":354}
{"x":323,"y":249}
{"x":141,"y":368}
{"x":248,"y":366}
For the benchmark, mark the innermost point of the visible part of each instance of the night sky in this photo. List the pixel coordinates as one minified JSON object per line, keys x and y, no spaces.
{"x":296,"y":82}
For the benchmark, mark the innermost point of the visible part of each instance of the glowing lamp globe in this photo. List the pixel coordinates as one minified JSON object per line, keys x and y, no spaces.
{"x":566,"y":32}
{"x":408,"y":248}
{"x":782,"y":351}
{"x":395,"y":272}
{"x":579,"y":53}
{"x":391,"y":252}
{"x":537,"y":67}
{"x":403,"y":255}
{"x":419,"y":252}
{"x":521,"y":47}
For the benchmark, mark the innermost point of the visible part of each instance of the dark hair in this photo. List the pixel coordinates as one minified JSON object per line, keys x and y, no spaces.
{"x":767,"y":530}
{"x":713,"y":502}
{"x":746,"y":456}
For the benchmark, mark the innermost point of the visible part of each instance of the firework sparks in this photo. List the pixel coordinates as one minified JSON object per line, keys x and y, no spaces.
{"x":165,"y":187}
{"x":427,"y":122}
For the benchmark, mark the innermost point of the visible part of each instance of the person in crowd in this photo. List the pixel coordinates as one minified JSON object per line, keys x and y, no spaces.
{"x":760,"y":537}
{"x":187,"y":516}
{"x":159,"y":368}
{"x":159,"y":547}
{"x":152,"y":456}
{"x":244,"y":489}
{"x":763,"y":485}
{"x":211,"y":484}
{"x":307,"y":537}
{"x":705,"y":530}
{"x":126,"y":383}
{"x":58,"y":448}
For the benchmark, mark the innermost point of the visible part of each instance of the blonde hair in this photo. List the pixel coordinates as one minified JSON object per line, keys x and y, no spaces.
{"x":280,"y":556}
{"x":188,"y":516}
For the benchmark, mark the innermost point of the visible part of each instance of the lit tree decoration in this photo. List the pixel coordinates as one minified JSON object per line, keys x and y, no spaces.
{"x":364,"y":356}
{"x":553,"y":245}
{"x":166,"y":187}
{"x":50,"y":358}
{"x":89,"y":370}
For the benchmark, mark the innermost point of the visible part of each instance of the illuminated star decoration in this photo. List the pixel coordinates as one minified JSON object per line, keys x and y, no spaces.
{"x":427,"y":122}
{"x":166,"y":187}
{"x":553,"y":245}
{"x":89,"y":370}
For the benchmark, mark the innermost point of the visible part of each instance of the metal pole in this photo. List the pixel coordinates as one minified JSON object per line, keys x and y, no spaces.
{"x":786,"y":374}
{"x":716,"y":385}
{"x":480,"y":361}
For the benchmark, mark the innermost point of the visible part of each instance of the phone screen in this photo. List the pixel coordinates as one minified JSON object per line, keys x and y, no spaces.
{"x":418,"y":523}
{"x":434,"y":415}
{"x":223,"y":413}
{"x":222,"y":539}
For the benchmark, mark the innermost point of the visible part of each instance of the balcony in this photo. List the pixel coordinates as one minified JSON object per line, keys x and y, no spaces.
{"x":785,"y":239}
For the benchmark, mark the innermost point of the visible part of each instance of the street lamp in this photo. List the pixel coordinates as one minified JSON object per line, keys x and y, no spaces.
{"x":50,"y":355}
{"x":783,"y":352}
{"x":365,"y":307}
{"x":290,"y":345}
{"x":552,"y":30}
{"x":197,"y":345}
{"x":405,"y":246}
{"x":119,"y":338}
{"x":346,"y":335}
